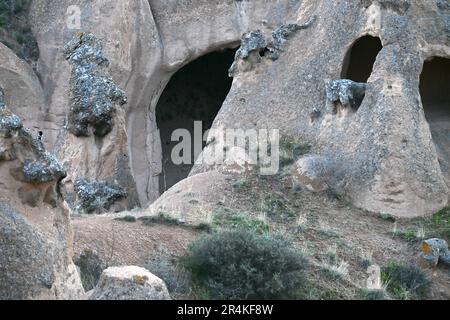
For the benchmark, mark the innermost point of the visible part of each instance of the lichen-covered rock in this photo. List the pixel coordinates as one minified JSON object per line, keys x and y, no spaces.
{"x":35,"y":231}
{"x":347,"y":93}
{"x":129,"y":283}
{"x":93,"y":95}
{"x":38,"y":169}
{"x":435,"y":251}
{"x":97,"y":196}
{"x":253,"y":44}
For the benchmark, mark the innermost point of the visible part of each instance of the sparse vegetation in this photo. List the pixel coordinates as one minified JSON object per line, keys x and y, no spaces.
{"x":373,"y":294}
{"x":291,"y":150}
{"x":129,"y":219}
{"x":336,"y":270}
{"x":242,"y":264}
{"x":405,"y":281}
{"x":161,"y":218}
{"x":91,"y":268}
{"x":226,"y":218}
{"x":175,"y":277}
{"x":277,"y":208}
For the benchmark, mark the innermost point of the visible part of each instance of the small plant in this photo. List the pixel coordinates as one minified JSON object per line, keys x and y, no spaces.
{"x":240,"y":185}
{"x":242,"y":264}
{"x":291,"y":150}
{"x":405,"y":281}
{"x":336,"y":271}
{"x":161,"y":218}
{"x":229,"y":219}
{"x":129,"y":219}
{"x":332,"y":255}
{"x":374,"y":294}
{"x":174,"y":276}
{"x":366,"y":259}
{"x":277,"y":208}
{"x":388,"y":217}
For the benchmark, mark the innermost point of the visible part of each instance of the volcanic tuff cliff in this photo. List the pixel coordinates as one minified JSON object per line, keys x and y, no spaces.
{"x":378,"y":141}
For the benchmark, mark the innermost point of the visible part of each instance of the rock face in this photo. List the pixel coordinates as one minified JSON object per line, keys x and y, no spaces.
{"x":35,"y":233}
{"x":378,"y":137}
{"x":129,"y":283}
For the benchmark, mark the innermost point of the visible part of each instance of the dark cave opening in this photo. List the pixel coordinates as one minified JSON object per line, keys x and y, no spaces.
{"x":195,"y":93}
{"x":435,"y":94}
{"x":359,"y":61}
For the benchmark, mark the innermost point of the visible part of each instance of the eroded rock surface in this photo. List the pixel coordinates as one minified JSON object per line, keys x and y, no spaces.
{"x":35,"y":231}
{"x":129,"y":283}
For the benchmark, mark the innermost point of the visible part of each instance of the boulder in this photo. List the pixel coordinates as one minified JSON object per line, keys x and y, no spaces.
{"x":435,"y":251}
{"x":129,"y":283}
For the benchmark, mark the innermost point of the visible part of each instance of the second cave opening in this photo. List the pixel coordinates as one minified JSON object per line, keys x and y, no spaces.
{"x":195,"y":93}
{"x":435,"y":94}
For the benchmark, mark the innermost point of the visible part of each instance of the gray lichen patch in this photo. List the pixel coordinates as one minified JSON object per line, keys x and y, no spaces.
{"x":347,"y":93}
{"x":97,"y":196}
{"x":254,"y":45}
{"x":94,"y":94}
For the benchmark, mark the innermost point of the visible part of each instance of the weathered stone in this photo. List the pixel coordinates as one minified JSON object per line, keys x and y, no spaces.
{"x":253,"y":44}
{"x":93,"y":95}
{"x":435,"y":251}
{"x":97,"y":196}
{"x":347,"y":93}
{"x":129,"y":283}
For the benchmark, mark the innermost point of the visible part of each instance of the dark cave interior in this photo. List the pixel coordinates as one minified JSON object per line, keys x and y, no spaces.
{"x":195,"y":93}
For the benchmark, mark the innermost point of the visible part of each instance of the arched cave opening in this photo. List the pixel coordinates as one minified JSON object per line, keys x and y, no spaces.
{"x":195,"y":93}
{"x":435,"y":93}
{"x":360,"y":59}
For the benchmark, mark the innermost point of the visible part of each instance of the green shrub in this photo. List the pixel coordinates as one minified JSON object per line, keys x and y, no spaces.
{"x":242,"y":264}
{"x":161,"y":218}
{"x":406,"y":282}
{"x":373,"y":294}
{"x":129,"y":219}
{"x":175,"y":277}
{"x":277,"y":208}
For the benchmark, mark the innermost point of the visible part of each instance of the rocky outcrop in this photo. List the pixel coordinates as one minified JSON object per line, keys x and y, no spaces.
{"x":129,"y":283}
{"x":35,"y":232}
{"x":384,"y":150}
{"x":24,"y":94}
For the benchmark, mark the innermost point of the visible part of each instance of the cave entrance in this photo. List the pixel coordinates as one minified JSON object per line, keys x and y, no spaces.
{"x":359,"y":61}
{"x":195,"y":93}
{"x":435,"y":93}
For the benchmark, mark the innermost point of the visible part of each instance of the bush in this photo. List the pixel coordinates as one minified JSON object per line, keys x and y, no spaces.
{"x":241,"y":264}
{"x":174,"y":277}
{"x":405,"y":281}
